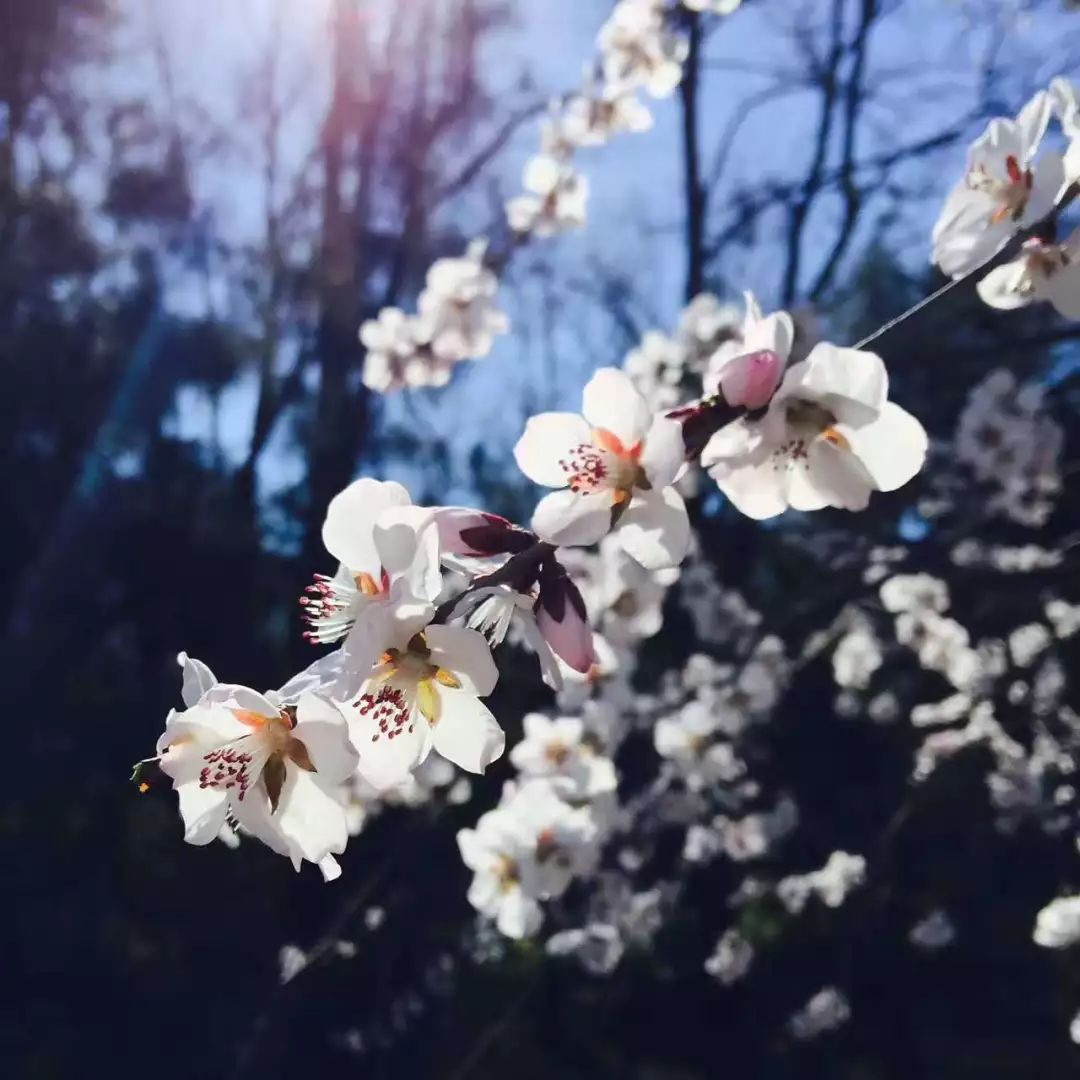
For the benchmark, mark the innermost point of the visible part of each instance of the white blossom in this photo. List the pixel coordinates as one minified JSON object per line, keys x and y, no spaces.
{"x":936,"y":931}
{"x":614,"y":465}
{"x":1042,"y":272}
{"x":1003,"y":189}
{"x":1057,"y":926}
{"x":554,"y":201}
{"x":731,"y":959}
{"x":828,"y":438}
{"x":639,"y":50}
{"x":457,"y":317}
{"x":826,"y":1010}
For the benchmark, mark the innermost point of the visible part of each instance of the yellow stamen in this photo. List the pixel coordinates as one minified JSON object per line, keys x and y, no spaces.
{"x":428,"y":700}
{"x":448,"y":678}
{"x":144,"y":787}
{"x":831,"y":435}
{"x":367,"y":585}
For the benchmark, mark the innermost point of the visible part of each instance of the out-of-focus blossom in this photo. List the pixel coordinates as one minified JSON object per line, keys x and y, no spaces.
{"x":936,"y":931}
{"x":456,"y":313}
{"x":1041,"y":273}
{"x":731,"y":959}
{"x":526,"y":850}
{"x":1058,"y":924}
{"x":554,"y":201}
{"x":639,"y":50}
{"x":827,"y":1010}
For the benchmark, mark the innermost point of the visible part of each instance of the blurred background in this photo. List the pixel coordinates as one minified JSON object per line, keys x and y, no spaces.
{"x":199,"y":204}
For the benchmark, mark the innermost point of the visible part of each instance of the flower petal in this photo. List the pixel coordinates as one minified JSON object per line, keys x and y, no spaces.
{"x":548,"y":440}
{"x":203,"y":811}
{"x":466,"y":733}
{"x":850,"y":380}
{"x":385,"y":761}
{"x":466,"y":654}
{"x":310,"y":818}
{"x":197,"y":679}
{"x":892,"y":449}
{"x":348,"y":529}
{"x":663,"y":452}
{"x":612,"y":402}
{"x":322,"y":728}
{"x":655,"y":529}
{"x":569,"y":519}
{"x":755,"y":484}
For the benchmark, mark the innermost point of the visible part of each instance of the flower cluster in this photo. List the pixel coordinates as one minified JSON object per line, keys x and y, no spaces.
{"x":456,"y":320}
{"x":1010,"y":184}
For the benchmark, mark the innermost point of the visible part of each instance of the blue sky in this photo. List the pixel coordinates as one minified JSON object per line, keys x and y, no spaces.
{"x":928,"y":58}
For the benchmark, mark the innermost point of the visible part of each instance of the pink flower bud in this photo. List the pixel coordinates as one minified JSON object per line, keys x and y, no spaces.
{"x":476,"y":533}
{"x":562,"y":619}
{"x":751,"y":379}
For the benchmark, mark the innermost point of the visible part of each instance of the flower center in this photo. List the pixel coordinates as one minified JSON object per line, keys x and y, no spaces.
{"x":604,"y":463}
{"x":1010,"y":194}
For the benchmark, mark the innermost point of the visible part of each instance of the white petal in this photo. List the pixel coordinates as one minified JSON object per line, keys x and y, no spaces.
{"x":348,"y":529}
{"x":253,"y":813}
{"x":1031,"y":123}
{"x":755,"y":484}
{"x":612,"y":402}
{"x":466,"y":733}
{"x":999,"y":287}
{"x":233,"y":696}
{"x":466,"y":654}
{"x":198,"y":678}
{"x":775,"y":333}
{"x":386,"y":761}
{"x":892,"y":448}
{"x":830,"y":477}
{"x":309,"y":817}
{"x":319,"y":676}
{"x":662,"y":454}
{"x":203,"y":811}
{"x":568,"y":519}
{"x":849,"y":379}
{"x":655,"y":529}
{"x":548,"y":439}
{"x":322,"y":728}
{"x":519,"y":915}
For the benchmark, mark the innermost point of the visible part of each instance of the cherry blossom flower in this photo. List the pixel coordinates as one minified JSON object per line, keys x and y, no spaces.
{"x":1058,"y":924}
{"x":526,"y":850}
{"x":389,"y":559}
{"x":276,"y":770}
{"x":593,"y":116}
{"x":397,"y":356}
{"x":423,"y":695}
{"x":457,"y":317}
{"x":639,"y":50}
{"x":689,"y":740}
{"x":615,"y":465}
{"x":1042,"y":272}
{"x":829,"y":438}
{"x":558,"y":750}
{"x":555,"y":198}
{"x":1003,"y":189}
